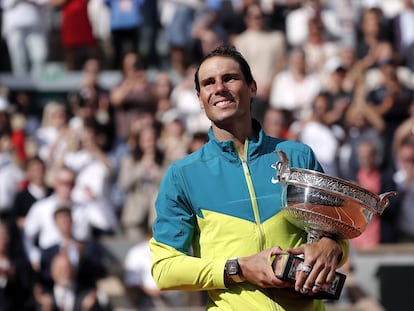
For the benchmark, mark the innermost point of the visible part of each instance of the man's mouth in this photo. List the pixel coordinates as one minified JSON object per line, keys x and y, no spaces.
{"x":223,"y":103}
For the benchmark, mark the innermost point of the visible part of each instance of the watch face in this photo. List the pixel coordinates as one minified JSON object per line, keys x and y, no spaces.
{"x":232,"y":267}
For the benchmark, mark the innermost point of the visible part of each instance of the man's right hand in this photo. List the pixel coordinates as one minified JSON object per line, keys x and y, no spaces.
{"x":257,"y":269}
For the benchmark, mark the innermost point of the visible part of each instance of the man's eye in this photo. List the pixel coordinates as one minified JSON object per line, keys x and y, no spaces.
{"x":208,"y":82}
{"x":229,"y":79}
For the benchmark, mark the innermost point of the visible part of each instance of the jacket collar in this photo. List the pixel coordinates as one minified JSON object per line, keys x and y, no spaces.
{"x":227,"y":149}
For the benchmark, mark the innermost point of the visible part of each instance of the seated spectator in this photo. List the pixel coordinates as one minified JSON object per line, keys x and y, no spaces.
{"x":369,"y":176}
{"x":139,"y":177}
{"x":67,"y":293}
{"x":40,"y":225}
{"x":397,"y":222}
{"x":11,"y":175}
{"x":16,"y":276}
{"x":317,"y":46}
{"x":197,"y":141}
{"x":391,"y":98}
{"x":265,"y":50}
{"x":403,"y":38}
{"x":34,"y":190}
{"x":132,"y":97}
{"x":85,"y":256}
{"x":361,"y":124}
{"x":276,"y":123}
{"x":174,"y":138}
{"x":184,"y":99}
{"x":140,"y":283}
{"x":86,"y":157}
{"x":53,"y":133}
{"x":315,"y":130}
{"x":284,"y":90}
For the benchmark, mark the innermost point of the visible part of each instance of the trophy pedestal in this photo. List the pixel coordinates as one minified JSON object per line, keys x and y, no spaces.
{"x":285,"y":267}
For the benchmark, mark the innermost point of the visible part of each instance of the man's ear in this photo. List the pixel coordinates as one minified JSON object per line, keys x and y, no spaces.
{"x":200,"y":102}
{"x":253,"y":88}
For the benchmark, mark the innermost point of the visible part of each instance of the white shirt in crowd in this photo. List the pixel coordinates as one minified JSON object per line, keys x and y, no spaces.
{"x":40,"y":221}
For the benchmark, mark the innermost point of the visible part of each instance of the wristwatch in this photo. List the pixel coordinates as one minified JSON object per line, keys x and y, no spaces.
{"x":232,"y":269}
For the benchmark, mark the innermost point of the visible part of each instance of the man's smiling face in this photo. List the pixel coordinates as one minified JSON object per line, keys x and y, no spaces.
{"x":224,"y":94}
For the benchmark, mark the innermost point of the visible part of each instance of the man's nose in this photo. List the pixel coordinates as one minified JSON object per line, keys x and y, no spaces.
{"x":219,"y":86}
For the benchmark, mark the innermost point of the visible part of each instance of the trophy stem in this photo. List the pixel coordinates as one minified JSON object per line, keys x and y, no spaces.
{"x":314,"y":236}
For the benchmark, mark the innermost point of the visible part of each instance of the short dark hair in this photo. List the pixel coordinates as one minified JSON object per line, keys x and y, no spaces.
{"x":63,"y":209}
{"x":231,"y":52}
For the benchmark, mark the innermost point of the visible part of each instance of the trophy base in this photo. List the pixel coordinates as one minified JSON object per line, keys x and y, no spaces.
{"x":285,"y":266}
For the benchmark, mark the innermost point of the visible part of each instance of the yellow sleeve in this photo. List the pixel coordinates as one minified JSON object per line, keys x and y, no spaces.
{"x":174,"y":270}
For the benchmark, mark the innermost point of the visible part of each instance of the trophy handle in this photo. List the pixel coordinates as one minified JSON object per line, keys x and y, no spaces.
{"x":384,"y":201}
{"x":282,"y":166}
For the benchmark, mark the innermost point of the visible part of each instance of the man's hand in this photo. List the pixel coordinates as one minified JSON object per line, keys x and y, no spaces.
{"x":322,"y":258}
{"x":257,"y":269}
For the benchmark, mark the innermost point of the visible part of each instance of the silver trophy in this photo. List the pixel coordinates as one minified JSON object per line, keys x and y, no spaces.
{"x":324,"y":206}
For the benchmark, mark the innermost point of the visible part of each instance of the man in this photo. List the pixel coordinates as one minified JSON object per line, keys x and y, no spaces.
{"x":219,"y":203}
{"x":40,"y":223}
{"x":265,"y":50}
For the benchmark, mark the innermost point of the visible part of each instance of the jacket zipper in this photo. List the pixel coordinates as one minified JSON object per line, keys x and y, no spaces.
{"x":252,"y":193}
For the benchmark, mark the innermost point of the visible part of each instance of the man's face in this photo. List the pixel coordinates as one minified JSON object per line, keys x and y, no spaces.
{"x":224,"y":93}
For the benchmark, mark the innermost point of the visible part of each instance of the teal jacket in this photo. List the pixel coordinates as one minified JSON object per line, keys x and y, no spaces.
{"x":212,"y":206}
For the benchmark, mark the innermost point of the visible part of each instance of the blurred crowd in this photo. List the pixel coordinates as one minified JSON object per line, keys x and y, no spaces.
{"x":337,"y":75}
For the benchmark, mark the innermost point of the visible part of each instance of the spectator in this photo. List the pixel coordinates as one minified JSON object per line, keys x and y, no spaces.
{"x":184,"y":99}
{"x":67,"y":294}
{"x":53,"y":133}
{"x":126,"y":21}
{"x":403,"y":36}
{"x":140,"y":283}
{"x":369,"y":36}
{"x":265,"y":50}
{"x":91,"y":107}
{"x":39,"y":224}
{"x":276,"y":123}
{"x":348,"y":14}
{"x":86,"y":158}
{"x":132,"y":96}
{"x":339,"y":97}
{"x":197,"y":141}
{"x":176,"y":19}
{"x":11,"y":175}
{"x":35,"y":189}
{"x":162,"y":88}
{"x":362,"y":124}
{"x":76,"y":33}
{"x":86,"y":256}
{"x":174,"y":139}
{"x":398,"y":223}
{"x":16,"y":276}
{"x":24,"y":29}
{"x":284,"y":94}
{"x":316,"y":129}
{"x":318,"y":48}
{"x":296,"y":21}
{"x":139,"y":177}
{"x":391,"y":98}
{"x":369,"y":177}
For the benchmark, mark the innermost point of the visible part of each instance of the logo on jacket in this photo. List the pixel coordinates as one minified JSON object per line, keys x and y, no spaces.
{"x":275,"y":180}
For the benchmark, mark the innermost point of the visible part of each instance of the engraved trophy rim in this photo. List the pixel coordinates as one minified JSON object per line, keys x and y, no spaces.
{"x":309,"y":204}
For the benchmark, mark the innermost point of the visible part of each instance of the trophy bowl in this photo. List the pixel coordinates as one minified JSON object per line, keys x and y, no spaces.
{"x":325,"y":205}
